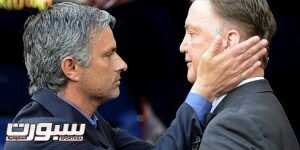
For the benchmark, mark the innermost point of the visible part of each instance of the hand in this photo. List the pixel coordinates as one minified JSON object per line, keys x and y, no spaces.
{"x":220,"y":71}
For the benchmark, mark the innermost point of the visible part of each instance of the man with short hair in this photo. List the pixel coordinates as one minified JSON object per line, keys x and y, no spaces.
{"x":70,"y":55}
{"x":249,"y":116}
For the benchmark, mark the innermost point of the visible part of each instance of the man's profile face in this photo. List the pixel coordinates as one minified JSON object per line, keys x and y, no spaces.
{"x":201,"y":25}
{"x":101,"y":79}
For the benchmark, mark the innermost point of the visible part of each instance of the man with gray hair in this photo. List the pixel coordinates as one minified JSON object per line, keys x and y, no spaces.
{"x":71,"y":59}
{"x":249,"y":116}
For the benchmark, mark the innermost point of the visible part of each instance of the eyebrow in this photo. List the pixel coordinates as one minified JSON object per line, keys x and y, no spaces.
{"x":110,"y":51}
{"x":188,"y":26}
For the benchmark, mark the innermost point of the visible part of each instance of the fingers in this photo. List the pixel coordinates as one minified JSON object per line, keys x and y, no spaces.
{"x":249,"y":72}
{"x":239,"y":77}
{"x":254,"y":50}
{"x":243,"y":46}
{"x":244,"y":54}
{"x":245,"y":65}
{"x":226,"y":69}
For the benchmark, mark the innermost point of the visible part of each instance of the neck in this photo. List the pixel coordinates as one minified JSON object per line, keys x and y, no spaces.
{"x":259,"y":72}
{"x":77,"y":98}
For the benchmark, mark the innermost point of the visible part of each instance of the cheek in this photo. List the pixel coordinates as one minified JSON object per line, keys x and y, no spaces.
{"x":98,"y":76}
{"x":195,"y":56}
{"x":105,"y":78}
{"x":102,"y":70}
{"x":197,"y":49}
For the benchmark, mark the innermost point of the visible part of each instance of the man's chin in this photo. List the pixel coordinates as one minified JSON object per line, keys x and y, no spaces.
{"x":115,"y":93}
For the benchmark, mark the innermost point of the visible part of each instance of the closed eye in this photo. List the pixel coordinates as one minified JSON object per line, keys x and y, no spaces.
{"x":111,"y":52}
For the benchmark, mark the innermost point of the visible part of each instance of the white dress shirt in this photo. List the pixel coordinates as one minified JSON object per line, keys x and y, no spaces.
{"x":217,"y":101}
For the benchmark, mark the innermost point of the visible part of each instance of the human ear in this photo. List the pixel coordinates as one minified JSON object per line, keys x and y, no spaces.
{"x":70,"y":68}
{"x":232,"y":37}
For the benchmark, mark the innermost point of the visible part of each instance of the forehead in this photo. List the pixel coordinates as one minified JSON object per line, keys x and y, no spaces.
{"x":201,"y":14}
{"x":103,"y":39}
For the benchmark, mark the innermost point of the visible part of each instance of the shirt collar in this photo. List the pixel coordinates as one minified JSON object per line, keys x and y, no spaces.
{"x":93,"y":119}
{"x":218,"y":100}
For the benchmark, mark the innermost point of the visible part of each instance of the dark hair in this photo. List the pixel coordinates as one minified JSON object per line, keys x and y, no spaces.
{"x":253,"y":16}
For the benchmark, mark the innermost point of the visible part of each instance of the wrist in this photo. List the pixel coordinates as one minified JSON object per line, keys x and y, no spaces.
{"x":203,"y":90}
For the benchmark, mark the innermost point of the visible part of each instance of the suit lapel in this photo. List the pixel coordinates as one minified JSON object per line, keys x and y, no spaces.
{"x":208,"y":118}
{"x":60,"y":109}
{"x":96,"y":136}
{"x":236,"y":94}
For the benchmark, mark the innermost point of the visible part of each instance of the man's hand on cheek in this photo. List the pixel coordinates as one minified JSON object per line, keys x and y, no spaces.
{"x":220,"y":71}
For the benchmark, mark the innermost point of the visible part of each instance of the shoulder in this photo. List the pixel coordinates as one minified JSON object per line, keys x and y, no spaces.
{"x":232,"y":120}
{"x":34,"y":116}
{"x":233,"y":130}
{"x":262,"y":109}
{"x":254,"y":115}
{"x":249,"y":114}
{"x":253,"y":106}
{"x":33,"y":112}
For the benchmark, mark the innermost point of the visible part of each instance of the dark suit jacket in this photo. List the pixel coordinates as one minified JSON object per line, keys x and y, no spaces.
{"x":249,"y":118}
{"x":183,"y":133}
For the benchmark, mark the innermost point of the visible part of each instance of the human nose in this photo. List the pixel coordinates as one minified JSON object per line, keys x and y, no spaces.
{"x":184,"y":44}
{"x":122,"y":65}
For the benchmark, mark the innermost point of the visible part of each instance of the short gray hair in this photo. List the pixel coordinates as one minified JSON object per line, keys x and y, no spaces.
{"x":253,"y":16}
{"x":53,"y":34}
